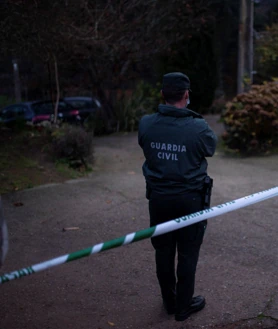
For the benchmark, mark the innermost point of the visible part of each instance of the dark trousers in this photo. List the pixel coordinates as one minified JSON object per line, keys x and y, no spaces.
{"x":177,"y":285}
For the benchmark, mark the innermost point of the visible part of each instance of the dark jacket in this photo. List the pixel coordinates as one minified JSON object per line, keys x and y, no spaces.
{"x":175,"y":143}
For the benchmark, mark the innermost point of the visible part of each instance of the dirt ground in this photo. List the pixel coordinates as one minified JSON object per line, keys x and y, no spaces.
{"x":237,"y":270}
{"x":26,"y":161}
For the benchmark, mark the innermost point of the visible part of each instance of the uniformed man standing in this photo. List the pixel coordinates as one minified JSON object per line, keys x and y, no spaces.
{"x":176,"y":142}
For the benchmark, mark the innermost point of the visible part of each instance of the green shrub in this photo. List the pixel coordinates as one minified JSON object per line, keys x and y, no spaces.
{"x":74,"y":144}
{"x":133,"y":105}
{"x":266,"y":52}
{"x":251,"y":120}
{"x":95,"y":124}
{"x":5,"y":101}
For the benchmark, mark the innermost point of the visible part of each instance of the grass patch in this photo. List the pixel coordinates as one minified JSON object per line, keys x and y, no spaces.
{"x":261,"y":316}
{"x":236,"y":153}
{"x":63,"y":166}
{"x":25,"y":162}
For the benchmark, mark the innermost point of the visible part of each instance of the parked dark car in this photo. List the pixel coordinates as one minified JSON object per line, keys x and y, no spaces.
{"x":12,"y":113}
{"x":45,"y":110}
{"x":38,"y":111}
{"x":85,"y":105}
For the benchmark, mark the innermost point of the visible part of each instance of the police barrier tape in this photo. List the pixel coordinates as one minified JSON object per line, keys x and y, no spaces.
{"x":153,"y":231}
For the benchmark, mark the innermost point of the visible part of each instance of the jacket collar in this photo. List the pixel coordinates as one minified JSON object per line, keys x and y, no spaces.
{"x":170,"y":110}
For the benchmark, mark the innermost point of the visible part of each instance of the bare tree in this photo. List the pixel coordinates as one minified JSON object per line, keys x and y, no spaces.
{"x":114,"y":37}
{"x":33,"y":29}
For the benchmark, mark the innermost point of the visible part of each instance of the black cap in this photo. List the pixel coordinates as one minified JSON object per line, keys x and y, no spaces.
{"x":175,"y":81}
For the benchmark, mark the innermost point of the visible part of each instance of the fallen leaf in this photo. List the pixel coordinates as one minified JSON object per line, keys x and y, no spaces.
{"x":111,"y":324}
{"x":131,"y":173}
{"x":74,"y":228}
{"x":108,"y":201}
{"x":18,"y":204}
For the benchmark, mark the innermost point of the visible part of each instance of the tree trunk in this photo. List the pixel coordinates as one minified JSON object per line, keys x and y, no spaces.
{"x":107,"y":108}
{"x":57,"y":89}
{"x":50,"y":81}
{"x":250,"y":41}
{"x":17,"y":87}
{"x":241,"y":46}
{"x":245,"y":46}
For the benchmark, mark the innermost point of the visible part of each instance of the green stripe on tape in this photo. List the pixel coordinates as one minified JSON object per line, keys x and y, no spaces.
{"x":16,"y":274}
{"x":4,"y":279}
{"x":79,"y":254}
{"x":147,"y":233}
{"x":113,"y":243}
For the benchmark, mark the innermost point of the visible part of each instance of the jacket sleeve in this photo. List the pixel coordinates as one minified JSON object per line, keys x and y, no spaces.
{"x":141,"y":130}
{"x":207,"y":141}
{"x":140,"y":133}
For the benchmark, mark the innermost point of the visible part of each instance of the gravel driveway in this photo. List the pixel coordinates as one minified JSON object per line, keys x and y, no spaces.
{"x":237,"y":271}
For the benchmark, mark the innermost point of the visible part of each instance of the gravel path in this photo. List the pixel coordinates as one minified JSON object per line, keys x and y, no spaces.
{"x":237,"y":271}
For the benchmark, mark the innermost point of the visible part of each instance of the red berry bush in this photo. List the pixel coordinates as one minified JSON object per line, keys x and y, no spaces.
{"x":251,"y":120}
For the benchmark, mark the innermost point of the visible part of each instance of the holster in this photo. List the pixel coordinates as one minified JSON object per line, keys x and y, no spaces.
{"x":207,"y":188}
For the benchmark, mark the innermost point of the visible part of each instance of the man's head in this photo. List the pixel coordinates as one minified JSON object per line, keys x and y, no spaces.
{"x":175,"y":88}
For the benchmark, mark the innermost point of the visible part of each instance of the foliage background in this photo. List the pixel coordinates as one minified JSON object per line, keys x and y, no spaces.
{"x":105,"y":48}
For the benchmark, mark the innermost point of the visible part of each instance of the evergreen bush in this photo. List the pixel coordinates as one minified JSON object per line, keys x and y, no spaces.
{"x":144,"y":99}
{"x":251,"y":120}
{"x":74,"y":144}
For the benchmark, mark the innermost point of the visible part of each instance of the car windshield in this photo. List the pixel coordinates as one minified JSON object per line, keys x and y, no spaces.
{"x":83,"y":104}
{"x":63,"y":107}
{"x":48,"y":107}
{"x":43,"y":108}
{"x":78,"y":104}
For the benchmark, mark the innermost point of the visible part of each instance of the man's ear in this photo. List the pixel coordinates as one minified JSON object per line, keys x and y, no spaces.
{"x":161,"y":92}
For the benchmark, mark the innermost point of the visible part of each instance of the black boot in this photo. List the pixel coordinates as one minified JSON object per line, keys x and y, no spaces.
{"x":170,"y":307}
{"x":197,"y":304}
